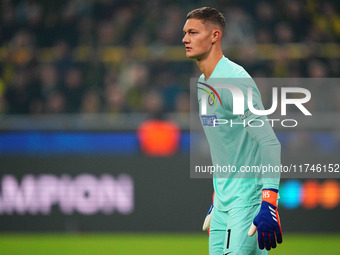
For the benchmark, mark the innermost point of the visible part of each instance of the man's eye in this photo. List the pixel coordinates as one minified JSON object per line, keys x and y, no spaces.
{"x":193,"y":33}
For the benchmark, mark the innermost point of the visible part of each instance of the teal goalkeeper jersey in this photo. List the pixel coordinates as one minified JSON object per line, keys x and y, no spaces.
{"x":231,"y":145}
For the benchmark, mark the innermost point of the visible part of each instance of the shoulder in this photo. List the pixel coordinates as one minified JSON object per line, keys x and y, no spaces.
{"x":230,"y":69}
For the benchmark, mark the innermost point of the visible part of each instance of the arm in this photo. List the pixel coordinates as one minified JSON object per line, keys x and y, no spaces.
{"x":267,"y":222}
{"x":270,"y":151}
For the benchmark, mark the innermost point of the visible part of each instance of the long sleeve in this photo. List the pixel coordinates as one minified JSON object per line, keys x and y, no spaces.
{"x":270,"y":151}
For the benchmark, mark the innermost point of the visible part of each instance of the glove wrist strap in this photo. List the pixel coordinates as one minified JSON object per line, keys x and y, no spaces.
{"x":269,"y":196}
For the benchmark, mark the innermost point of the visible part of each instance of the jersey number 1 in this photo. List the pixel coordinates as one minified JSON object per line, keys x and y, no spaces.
{"x":228,"y":241}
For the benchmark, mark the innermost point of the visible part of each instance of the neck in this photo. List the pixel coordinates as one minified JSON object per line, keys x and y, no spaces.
{"x":208,"y":63}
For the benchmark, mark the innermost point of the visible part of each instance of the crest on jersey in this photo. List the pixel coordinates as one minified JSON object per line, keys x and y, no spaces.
{"x":211,"y":99}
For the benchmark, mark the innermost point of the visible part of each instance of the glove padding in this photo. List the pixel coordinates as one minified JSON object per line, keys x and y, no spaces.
{"x":206,"y":223}
{"x":267,"y":224}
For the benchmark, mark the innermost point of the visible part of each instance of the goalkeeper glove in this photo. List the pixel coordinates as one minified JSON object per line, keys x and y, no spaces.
{"x":206,"y":223}
{"x":267,"y":222}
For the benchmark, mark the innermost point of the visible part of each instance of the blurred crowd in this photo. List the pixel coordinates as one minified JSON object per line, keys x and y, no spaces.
{"x":32,"y":84}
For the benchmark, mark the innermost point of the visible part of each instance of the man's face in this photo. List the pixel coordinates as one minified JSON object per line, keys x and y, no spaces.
{"x":197,"y":38}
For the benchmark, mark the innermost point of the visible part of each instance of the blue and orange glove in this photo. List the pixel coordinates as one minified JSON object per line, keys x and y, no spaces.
{"x":206,"y":223}
{"x":267,"y":221}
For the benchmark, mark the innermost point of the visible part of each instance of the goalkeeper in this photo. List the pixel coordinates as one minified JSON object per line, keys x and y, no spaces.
{"x":241,"y":205}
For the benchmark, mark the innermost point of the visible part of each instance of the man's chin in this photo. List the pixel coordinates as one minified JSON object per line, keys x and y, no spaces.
{"x":194,"y":56}
{"x":191,"y":55}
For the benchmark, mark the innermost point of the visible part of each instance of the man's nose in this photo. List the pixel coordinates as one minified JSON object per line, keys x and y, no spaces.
{"x":185,"y":39}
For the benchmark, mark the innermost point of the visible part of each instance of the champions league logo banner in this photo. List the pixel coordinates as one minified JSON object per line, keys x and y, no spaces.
{"x":302,"y":113}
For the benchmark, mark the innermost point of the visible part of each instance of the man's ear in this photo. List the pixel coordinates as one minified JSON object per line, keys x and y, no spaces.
{"x":215,"y":36}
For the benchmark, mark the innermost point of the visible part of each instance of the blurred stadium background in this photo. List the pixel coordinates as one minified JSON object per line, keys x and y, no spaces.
{"x":94,"y":127}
